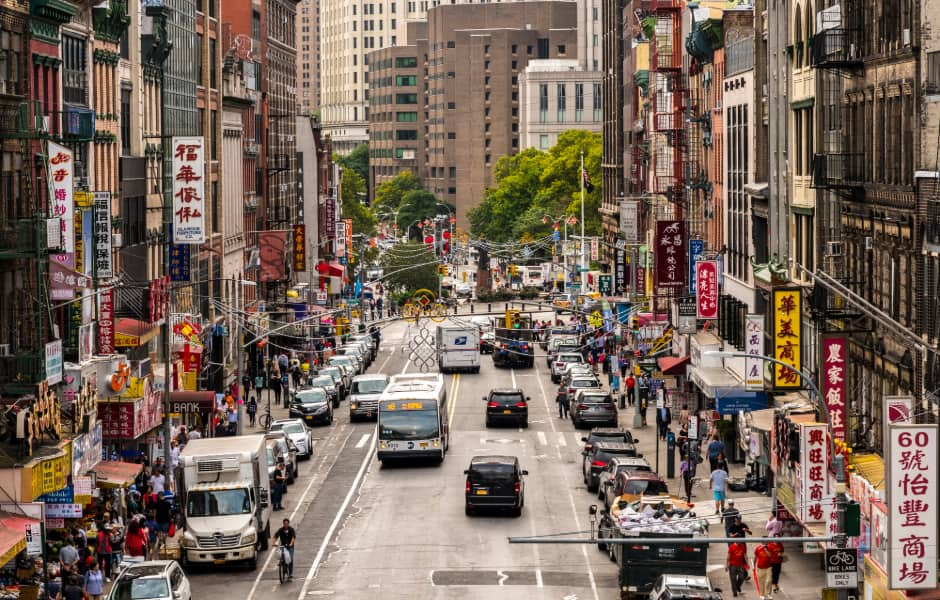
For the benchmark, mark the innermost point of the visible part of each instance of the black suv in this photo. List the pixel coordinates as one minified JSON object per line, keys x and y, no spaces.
{"x":495,"y":482}
{"x":507,"y":404}
{"x":608,"y":434}
{"x":596,"y":459}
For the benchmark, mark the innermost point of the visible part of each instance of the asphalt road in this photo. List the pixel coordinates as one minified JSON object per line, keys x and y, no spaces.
{"x":368,"y":531}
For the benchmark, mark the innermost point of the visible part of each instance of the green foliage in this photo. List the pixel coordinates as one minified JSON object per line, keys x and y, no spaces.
{"x":363,"y":221}
{"x":389,"y":194}
{"x":533,"y":183}
{"x":417,"y":205}
{"x":358,"y":161}
{"x":409,"y":267}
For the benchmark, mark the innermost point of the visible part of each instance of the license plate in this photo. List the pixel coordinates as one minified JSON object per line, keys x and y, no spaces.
{"x":309,"y":418}
{"x":507,"y":412}
{"x":368,"y":414}
{"x":423,"y":444}
{"x":482,"y":492}
{"x":219,"y":562}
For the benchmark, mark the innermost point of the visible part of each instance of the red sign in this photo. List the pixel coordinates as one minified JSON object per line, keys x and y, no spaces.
{"x":158,"y":299}
{"x":300,"y":248}
{"x":106,"y":321}
{"x":832,"y":354}
{"x":706,"y":277}
{"x":271,"y":246}
{"x":671,"y":247}
{"x":130,"y":419}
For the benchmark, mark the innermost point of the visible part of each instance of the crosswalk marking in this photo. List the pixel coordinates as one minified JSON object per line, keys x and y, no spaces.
{"x":363,"y":440}
{"x":561,"y":440}
{"x":542,"y":439}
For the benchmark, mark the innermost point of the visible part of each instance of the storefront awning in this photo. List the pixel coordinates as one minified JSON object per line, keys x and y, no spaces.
{"x":115,"y":473}
{"x":331,"y":269}
{"x":13,"y":535}
{"x":672,"y":365}
{"x":731,"y":401}
{"x":710,"y":379}
{"x":870,"y":467}
{"x":131,"y":333}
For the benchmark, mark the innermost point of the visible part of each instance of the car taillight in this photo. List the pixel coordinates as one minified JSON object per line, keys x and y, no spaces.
{"x":467,"y":489}
{"x":503,"y":346}
{"x":515,"y":488}
{"x":570,"y":390}
{"x":520,"y":405}
{"x":525,"y":346}
{"x":582,"y":407}
{"x":559,"y":364}
{"x":598,"y":463}
{"x":492,"y":404}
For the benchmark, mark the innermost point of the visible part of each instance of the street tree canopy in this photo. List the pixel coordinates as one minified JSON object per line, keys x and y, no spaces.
{"x":533,"y":183}
{"x":389,"y":194}
{"x":417,"y":205}
{"x":358,"y":161}
{"x":409,"y":267}
{"x":354,"y":189}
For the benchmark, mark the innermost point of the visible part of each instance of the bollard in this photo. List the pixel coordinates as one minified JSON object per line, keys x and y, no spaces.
{"x":471,"y":308}
{"x":506,"y":306}
{"x":489,"y":307}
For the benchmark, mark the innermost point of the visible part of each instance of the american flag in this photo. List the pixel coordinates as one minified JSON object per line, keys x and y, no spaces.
{"x":588,"y":186}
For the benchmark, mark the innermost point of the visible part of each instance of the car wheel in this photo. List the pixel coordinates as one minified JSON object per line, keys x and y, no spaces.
{"x":468,"y":510}
{"x":584,"y":476}
{"x":517,"y":512}
{"x":266,"y":537}
{"x":524,"y":424}
{"x":488,"y":422}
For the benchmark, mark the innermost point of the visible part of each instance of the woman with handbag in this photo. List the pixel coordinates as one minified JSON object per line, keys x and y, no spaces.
{"x":94,"y":583}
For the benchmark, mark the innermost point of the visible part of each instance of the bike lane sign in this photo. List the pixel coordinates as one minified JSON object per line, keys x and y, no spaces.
{"x":841,"y":567}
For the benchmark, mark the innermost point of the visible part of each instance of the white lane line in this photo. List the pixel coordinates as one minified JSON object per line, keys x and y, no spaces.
{"x":542,"y":439}
{"x":512,"y":372}
{"x":561,"y":440}
{"x":538,"y":578}
{"x":367,"y":459}
{"x":587,"y":560}
{"x":502,"y":577}
{"x":363,"y":440}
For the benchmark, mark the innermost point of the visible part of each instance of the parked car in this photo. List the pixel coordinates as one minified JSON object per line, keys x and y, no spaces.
{"x":298,"y":433}
{"x":153,"y":580}
{"x":494,"y":482}
{"x":312,"y":405}
{"x":608,"y":434}
{"x":593,"y":407}
{"x":369,"y":341}
{"x":364,"y":395}
{"x":284,"y":451}
{"x":347,"y":364}
{"x":684,"y":587}
{"x":355,"y":353}
{"x":561,"y":361}
{"x":326,"y":382}
{"x":567,"y":390}
{"x":487,"y":342}
{"x":339,"y":376}
{"x":616,"y":465}
{"x":636,"y":483}
{"x":557,"y":340}
{"x":507,"y":404}
{"x":596,"y":459}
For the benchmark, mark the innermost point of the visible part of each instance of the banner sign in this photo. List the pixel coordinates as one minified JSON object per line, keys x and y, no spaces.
{"x":54,"y":362}
{"x":103,"y":261}
{"x":300,"y":248}
{"x":620,"y":272}
{"x":814,"y":480}
{"x":63,"y":279}
{"x":788,"y":311}
{"x":696,"y":248}
{"x":64,"y":511}
{"x":754,"y":346}
{"x":61,"y":171}
{"x":595,"y":248}
{"x":706,"y":273}
{"x":331,"y":218}
{"x":106,"y":321}
{"x":180,"y":262}
{"x":832,"y":350}
{"x":912,"y":507}
{"x":670,"y":255}
{"x":189,"y":190}
{"x":629,"y":220}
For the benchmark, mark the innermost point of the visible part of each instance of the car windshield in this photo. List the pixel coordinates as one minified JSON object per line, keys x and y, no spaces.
{"x":648,"y":487}
{"x":409,"y":425}
{"x":341,"y":360}
{"x":583,"y":383}
{"x":326,"y":380}
{"x":595,"y":399}
{"x":570,"y":358}
{"x":507,"y":398}
{"x":213,"y":503}
{"x":333,"y":372}
{"x":369,"y":386}
{"x":313,"y":396}
{"x":135,"y":588}
{"x":492,"y":473}
{"x":289,"y":427}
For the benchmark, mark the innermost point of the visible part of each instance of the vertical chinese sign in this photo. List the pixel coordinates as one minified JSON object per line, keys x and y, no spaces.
{"x":630,"y":220}
{"x":595,"y":248}
{"x":299,"y":249}
{"x":814,"y":481}
{"x":787,"y":337}
{"x":189,"y":188}
{"x":103,"y":261}
{"x":706,"y":274}
{"x":696,"y":248}
{"x":670,"y":255}
{"x":106,"y":321}
{"x":912,"y":507}
{"x":61,"y":173}
{"x":832,"y":348}
{"x":754,"y":346}
{"x":620,"y":271}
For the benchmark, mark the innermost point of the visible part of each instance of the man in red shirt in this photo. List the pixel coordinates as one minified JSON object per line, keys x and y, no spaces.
{"x":763,"y":559}
{"x":736,"y":565}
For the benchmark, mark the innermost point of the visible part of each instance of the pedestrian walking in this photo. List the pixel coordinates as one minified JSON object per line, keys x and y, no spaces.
{"x":774,"y":527}
{"x":277,"y":494}
{"x":94,"y":582}
{"x":715,"y":447}
{"x":763,"y":561}
{"x":252,"y":409}
{"x":103,"y":548}
{"x":630,"y":384}
{"x":275,"y":385}
{"x":687,"y":472}
{"x":728,"y":515}
{"x":232,"y":421}
{"x":722,"y":463}
{"x":776,"y":564}
{"x":719,"y":481}
{"x":663,"y":420}
{"x":643,"y":406}
{"x":378,"y":306}
{"x":736,"y":565}
{"x":562,"y":406}
{"x":738,"y":528}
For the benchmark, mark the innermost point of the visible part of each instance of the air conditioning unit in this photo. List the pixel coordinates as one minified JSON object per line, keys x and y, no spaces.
{"x":5,"y":350}
{"x":43,"y":124}
{"x":117,"y":240}
{"x":868,"y":243}
{"x":906,"y":37}
{"x":833,"y":248}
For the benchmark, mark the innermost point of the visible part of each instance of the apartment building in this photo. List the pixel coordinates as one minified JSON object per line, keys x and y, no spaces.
{"x":308,"y":57}
{"x":556,"y":95}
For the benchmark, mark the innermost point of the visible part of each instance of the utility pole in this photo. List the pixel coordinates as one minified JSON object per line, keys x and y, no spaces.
{"x":583,"y":268}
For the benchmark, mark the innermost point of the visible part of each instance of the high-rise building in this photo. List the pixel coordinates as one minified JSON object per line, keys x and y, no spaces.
{"x":308,"y":57}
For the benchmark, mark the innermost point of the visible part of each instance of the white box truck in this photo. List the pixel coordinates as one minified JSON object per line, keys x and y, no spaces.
{"x":458,"y":348}
{"x":225,"y":500}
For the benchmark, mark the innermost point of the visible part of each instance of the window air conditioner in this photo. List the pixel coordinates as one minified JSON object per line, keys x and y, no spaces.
{"x":868,"y":243}
{"x":833,"y":248}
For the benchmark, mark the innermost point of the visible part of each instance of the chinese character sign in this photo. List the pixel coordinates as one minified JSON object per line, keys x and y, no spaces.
{"x":630,"y":220}
{"x":595,"y":248}
{"x":814,"y":479}
{"x":180,"y":262}
{"x":754,"y":346}
{"x":61,"y":172}
{"x":106,"y":321}
{"x":787,"y":336}
{"x":696,"y":248}
{"x":300,"y":248}
{"x":670,"y":253}
{"x":189,"y":186}
{"x":832,"y":349}
{"x":620,"y":272}
{"x":330,"y":219}
{"x":104,"y":268}
{"x":706,"y":274}
{"x":912,"y":507}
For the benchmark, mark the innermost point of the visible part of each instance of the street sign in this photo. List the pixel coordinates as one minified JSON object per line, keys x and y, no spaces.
{"x":604,"y":284}
{"x":842,"y":567}
{"x":596,"y":319}
{"x":686,"y":305}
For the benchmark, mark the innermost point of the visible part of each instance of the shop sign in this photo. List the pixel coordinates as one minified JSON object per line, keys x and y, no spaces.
{"x":55,"y":523}
{"x":629,"y":220}
{"x":670,"y":253}
{"x":64,"y":279}
{"x":879,"y":534}
{"x":45,"y":415}
{"x":912,"y":507}
{"x":86,"y":451}
{"x":754,"y":346}
{"x":47,"y":475}
{"x":129,"y":419}
{"x":189,"y":190}
{"x":863,"y":492}
{"x":706,"y":274}
{"x":64,"y":496}
{"x":620,"y":271}
{"x":787,"y":313}
{"x":64,"y":511}
{"x":187,"y":332}
{"x":330,"y":218}
{"x":300,"y":248}
{"x":103,"y":260}
{"x":814,"y":458}
{"x":158,"y":299}
{"x":595,"y":248}
{"x":696,"y":248}
{"x":180,"y":262}
{"x":85,"y":485}
{"x":34,"y":539}
{"x":60,"y":172}
{"x":106,"y":321}
{"x":54,"y":362}
{"x":833,"y":371}
{"x":897,"y":409}
{"x":86,"y":341}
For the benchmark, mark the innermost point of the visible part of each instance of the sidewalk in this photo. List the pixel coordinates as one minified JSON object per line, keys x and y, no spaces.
{"x":802,"y":576}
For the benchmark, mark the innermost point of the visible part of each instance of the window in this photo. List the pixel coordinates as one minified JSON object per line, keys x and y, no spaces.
{"x":933,"y":72}
{"x":542,"y":48}
{"x":216,"y":206}
{"x":451,"y":106}
{"x":200,"y":67}
{"x":406,"y":62}
{"x":561,"y":49}
{"x":406,"y":117}
{"x":486,"y":49}
{"x":74,"y":70}
{"x":134,"y":223}
{"x":256,"y":25}
{"x":406,"y":98}
{"x":406,"y":134}
{"x":597,"y":101}
{"x":543,"y":141}
{"x":451,"y":190}
{"x":406,"y":80}
{"x":214,"y":145}
{"x":452,"y":172}
{"x":578,"y":101}
{"x":213,"y":62}
{"x":515,"y":49}
{"x":561,"y":102}
{"x":451,"y":44}
{"x":451,"y":135}
{"x":125,"y":122}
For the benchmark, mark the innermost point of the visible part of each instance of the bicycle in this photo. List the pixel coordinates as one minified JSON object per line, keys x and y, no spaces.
{"x":264,"y":420}
{"x":283,"y":567}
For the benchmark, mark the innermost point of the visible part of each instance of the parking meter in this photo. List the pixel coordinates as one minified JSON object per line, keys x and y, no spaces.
{"x":670,"y":454}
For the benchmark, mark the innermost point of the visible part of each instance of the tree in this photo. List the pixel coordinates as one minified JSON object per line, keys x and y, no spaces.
{"x":389,"y":194}
{"x":363,"y":221}
{"x":358,"y":161}
{"x":417,"y":205}
{"x":410,"y":267}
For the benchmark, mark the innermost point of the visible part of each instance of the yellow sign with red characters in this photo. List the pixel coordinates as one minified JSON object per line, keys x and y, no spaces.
{"x":787,"y":337}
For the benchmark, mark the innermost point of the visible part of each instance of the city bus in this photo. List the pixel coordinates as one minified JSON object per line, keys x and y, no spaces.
{"x":413,"y":418}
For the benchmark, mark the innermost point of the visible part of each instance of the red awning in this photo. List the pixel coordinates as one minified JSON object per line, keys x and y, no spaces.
{"x":116,"y":473}
{"x":330,"y":269}
{"x":131,"y":333}
{"x":13,"y":535}
{"x":672,"y":365}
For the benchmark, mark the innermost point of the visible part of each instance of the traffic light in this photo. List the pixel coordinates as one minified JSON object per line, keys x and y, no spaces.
{"x":513,"y":270}
{"x":853,"y":519}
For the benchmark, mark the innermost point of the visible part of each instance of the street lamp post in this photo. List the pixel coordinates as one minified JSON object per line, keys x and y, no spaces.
{"x":566,"y":220}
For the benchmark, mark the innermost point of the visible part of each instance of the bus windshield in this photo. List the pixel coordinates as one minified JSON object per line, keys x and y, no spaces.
{"x":409,"y":425}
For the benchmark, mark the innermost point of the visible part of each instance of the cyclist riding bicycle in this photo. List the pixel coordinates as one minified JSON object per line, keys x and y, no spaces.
{"x":286,"y":536}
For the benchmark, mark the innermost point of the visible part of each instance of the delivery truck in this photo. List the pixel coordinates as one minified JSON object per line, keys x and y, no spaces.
{"x":458,"y":348}
{"x":224,"y":490}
